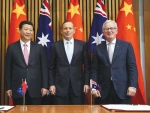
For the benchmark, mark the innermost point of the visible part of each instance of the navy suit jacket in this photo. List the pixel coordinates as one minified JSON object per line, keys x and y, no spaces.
{"x":61,"y":73}
{"x":36,"y":72}
{"x":122,"y":72}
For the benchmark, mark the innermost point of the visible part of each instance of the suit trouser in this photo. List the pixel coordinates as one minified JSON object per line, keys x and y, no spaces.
{"x":113,"y":98}
{"x":28,"y":100}
{"x":71,"y":98}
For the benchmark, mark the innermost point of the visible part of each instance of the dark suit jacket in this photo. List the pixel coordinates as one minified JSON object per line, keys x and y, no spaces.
{"x":61,"y":72}
{"x":16,"y":69}
{"x":123,"y":69}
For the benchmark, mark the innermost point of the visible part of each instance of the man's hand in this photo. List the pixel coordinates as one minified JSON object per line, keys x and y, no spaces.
{"x":86,"y":89}
{"x":96,"y":93}
{"x":131,"y":91}
{"x":52,"y":89}
{"x":9,"y":93}
{"x":43,"y":91}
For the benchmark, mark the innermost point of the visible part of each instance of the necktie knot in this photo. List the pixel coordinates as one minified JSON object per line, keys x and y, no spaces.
{"x":68,"y":42}
{"x":109,"y":43}
{"x":25,"y":45}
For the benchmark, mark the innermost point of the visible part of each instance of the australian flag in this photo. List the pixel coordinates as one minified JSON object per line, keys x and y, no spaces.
{"x":100,"y":16}
{"x":44,"y":32}
{"x":45,"y":38}
{"x":94,"y":85}
{"x":23,"y":88}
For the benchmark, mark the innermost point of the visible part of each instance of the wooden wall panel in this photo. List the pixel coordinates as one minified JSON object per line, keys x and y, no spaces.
{"x":58,"y":9}
{"x":147,"y":45}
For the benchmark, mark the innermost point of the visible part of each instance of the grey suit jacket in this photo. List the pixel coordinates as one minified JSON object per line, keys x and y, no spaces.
{"x":122,"y":72}
{"x":61,"y":73}
{"x":36,"y":72}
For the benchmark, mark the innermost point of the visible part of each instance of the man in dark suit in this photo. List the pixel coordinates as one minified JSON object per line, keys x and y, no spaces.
{"x":69,"y":68}
{"x":114,"y":68}
{"x":26,"y":63}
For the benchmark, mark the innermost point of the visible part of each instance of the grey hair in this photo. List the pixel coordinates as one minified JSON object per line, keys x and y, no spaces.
{"x":107,"y":21}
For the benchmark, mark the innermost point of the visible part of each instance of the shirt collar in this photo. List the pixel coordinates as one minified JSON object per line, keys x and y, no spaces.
{"x":65,"y":41}
{"x":113,"y":42}
{"x":22,"y":43}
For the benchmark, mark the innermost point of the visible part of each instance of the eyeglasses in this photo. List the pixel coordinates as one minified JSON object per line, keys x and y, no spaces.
{"x":111,"y":28}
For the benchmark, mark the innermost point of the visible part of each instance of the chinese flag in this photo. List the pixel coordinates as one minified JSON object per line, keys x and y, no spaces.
{"x":24,"y":86}
{"x":74,"y":15}
{"x":127,"y":32}
{"x":18,"y":14}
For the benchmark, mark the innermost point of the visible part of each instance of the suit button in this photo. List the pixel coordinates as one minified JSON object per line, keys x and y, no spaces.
{"x":27,"y":69}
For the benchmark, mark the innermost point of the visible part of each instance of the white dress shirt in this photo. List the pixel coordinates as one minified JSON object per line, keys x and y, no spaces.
{"x":22,"y":45}
{"x":71,"y":45}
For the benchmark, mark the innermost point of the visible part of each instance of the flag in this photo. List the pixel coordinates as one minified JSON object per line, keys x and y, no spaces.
{"x":96,"y":35}
{"x":23,"y":88}
{"x":45,"y":38}
{"x":94,"y":85}
{"x":100,"y":16}
{"x":44,"y":32}
{"x":74,"y":15}
{"x":18,"y":14}
{"x":127,"y":32}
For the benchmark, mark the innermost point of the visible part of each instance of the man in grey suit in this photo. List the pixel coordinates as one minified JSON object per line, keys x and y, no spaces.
{"x":26,"y":60}
{"x":114,"y":68}
{"x":69,"y":68}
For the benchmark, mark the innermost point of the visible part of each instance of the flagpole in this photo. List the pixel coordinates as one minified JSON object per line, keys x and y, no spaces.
{"x":23,"y":107}
{"x":23,"y":99}
{"x":91,"y":96}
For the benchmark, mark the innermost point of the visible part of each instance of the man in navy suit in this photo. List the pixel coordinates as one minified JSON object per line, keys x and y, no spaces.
{"x":69,"y":68}
{"x":114,"y":68}
{"x":33,"y":68}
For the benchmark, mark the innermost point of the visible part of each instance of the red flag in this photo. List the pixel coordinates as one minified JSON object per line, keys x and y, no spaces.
{"x":127,"y":32}
{"x":24,"y":86}
{"x":74,"y":15}
{"x":18,"y":14}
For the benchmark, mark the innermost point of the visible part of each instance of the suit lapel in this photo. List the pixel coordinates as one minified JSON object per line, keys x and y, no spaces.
{"x":116,"y":49}
{"x":104,"y":50}
{"x":76,"y":47}
{"x":32,"y":49}
{"x":62,"y":49}
{"x":19,"y":50}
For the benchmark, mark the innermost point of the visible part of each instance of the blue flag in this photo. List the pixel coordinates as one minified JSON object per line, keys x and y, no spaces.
{"x":100,"y":17}
{"x":23,"y":88}
{"x":94,"y":85}
{"x":20,"y":90}
{"x":45,"y":38}
{"x":44,"y":32}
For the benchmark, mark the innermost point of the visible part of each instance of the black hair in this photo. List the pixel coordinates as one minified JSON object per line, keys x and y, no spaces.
{"x":25,"y":22}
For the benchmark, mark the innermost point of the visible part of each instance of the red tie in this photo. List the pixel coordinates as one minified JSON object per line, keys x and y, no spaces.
{"x":26,"y":54}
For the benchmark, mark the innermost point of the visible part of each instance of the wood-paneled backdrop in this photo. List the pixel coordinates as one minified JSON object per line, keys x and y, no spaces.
{"x":58,"y":9}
